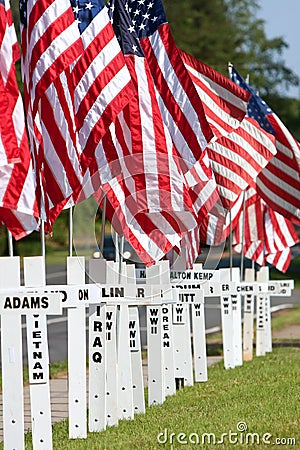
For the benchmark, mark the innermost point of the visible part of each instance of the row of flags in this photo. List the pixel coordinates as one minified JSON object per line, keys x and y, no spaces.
{"x":114,"y":108}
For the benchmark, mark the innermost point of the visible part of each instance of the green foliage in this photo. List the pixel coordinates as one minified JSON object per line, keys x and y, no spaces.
{"x":219,"y":31}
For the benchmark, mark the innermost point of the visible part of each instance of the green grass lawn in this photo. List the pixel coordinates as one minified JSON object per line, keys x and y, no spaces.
{"x":285,"y":319}
{"x":262,"y":396}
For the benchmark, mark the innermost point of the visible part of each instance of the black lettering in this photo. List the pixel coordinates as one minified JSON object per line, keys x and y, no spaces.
{"x":35,"y":302}
{"x":37,"y":365}
{"x":153,"y":320}
{"x":119,"y":292}
{"x":98,"y":326}
{"x":7,"y":303}
{"x":16,"y":302}
{"x":140,"y":292}
{"x":38,"y":376}
{"x":25,"y":303}
{"x":97,"y":342}
{"x":97,"y":357}
{"x":36,"y":335}
{"x":44,"y":302}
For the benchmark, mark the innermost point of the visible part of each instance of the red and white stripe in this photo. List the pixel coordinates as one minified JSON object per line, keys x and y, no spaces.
{"x":238,"y":158}
{"x":279,"y":183}
{"x":12,"y":125}
{"x":224,"y":103}
{"x":18,"y":206}
{"x":267,"y":235}
{"x":102,"y":84}
{"x":143,"y":179}
{"x":50,"y":43}
{"x":180,"y":105}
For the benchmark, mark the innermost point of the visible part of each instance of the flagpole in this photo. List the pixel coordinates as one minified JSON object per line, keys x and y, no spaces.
{"x":10,"y":243}
{"x":71,"y":231}
{"x":43,"y":246}
{"x":102,"y":233}
{"x":230,"y":244}
{"x":243,"y":235}
{"x":230,"y":65}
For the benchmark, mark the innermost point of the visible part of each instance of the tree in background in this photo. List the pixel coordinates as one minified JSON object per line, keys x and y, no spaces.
{"x":219,"y":31}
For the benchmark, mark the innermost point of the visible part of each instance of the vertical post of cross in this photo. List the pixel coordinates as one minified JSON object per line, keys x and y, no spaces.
{"x":12,"y":368}
{"x":38,"y":356}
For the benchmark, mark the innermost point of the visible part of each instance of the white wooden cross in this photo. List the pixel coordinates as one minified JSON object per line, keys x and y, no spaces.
{"x":16,"y":301}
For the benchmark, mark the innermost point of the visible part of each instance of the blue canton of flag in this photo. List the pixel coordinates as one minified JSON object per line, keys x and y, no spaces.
{"x":146,"y":16}
{"x":23,"y":12}
{"x":123,"y":28}
{"x":85,"y":12}
{"x":257,"y":108}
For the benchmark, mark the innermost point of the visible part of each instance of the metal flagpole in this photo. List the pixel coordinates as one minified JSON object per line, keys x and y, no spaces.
{"x":10,"y":243}
{"x":230,"y":244}
{"x":43,"y":246}
{"x":71,"y":231}
{"x":101,"y":242}
{"x":243,"y":235}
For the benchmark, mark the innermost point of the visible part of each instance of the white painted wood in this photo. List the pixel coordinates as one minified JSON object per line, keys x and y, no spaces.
{"x":236,"y":305}
{"x":263,"y":276}
{"x":227,"y":323}
{"x":97,"y":353}
{"x":260,"y":325}
{"x":167,"y":334}
{"x":125,"y":392}
{"x":248,"y":319}
{"x":38,"y":360}
{"x":183,"y":361}
{"x":199,"y":342}
{"x":12,"y":368}
{"x":260,"y":320}
{"x":112,"y":411}
{"x":156,"y":382}
{"x":168,"y":350}
{"x":77,"y":354}
{"x":136,"y":361}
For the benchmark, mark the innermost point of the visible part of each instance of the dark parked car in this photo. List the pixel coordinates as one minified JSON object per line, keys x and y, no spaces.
{"x":109,"y":251}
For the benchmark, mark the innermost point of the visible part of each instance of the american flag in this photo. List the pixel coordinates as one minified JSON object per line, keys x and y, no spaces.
{"x":240,"y":148}
{"x":50,"y":43}
{"x":12,"y":127}
{"x":18,"y":207}
{"x":224,"y":103}
{"x":238,"y":158}
{"x":101,"y":79}
{"x":149,"y":195}
{"x":180,"y":105}
{"x":279,"y":183}
{"x":263,"y":235}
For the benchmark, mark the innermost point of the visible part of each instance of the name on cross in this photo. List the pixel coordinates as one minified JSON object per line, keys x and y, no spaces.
{"x":188,"y":296}
{"x":29,"y":303}
{"x":205,"y":275}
